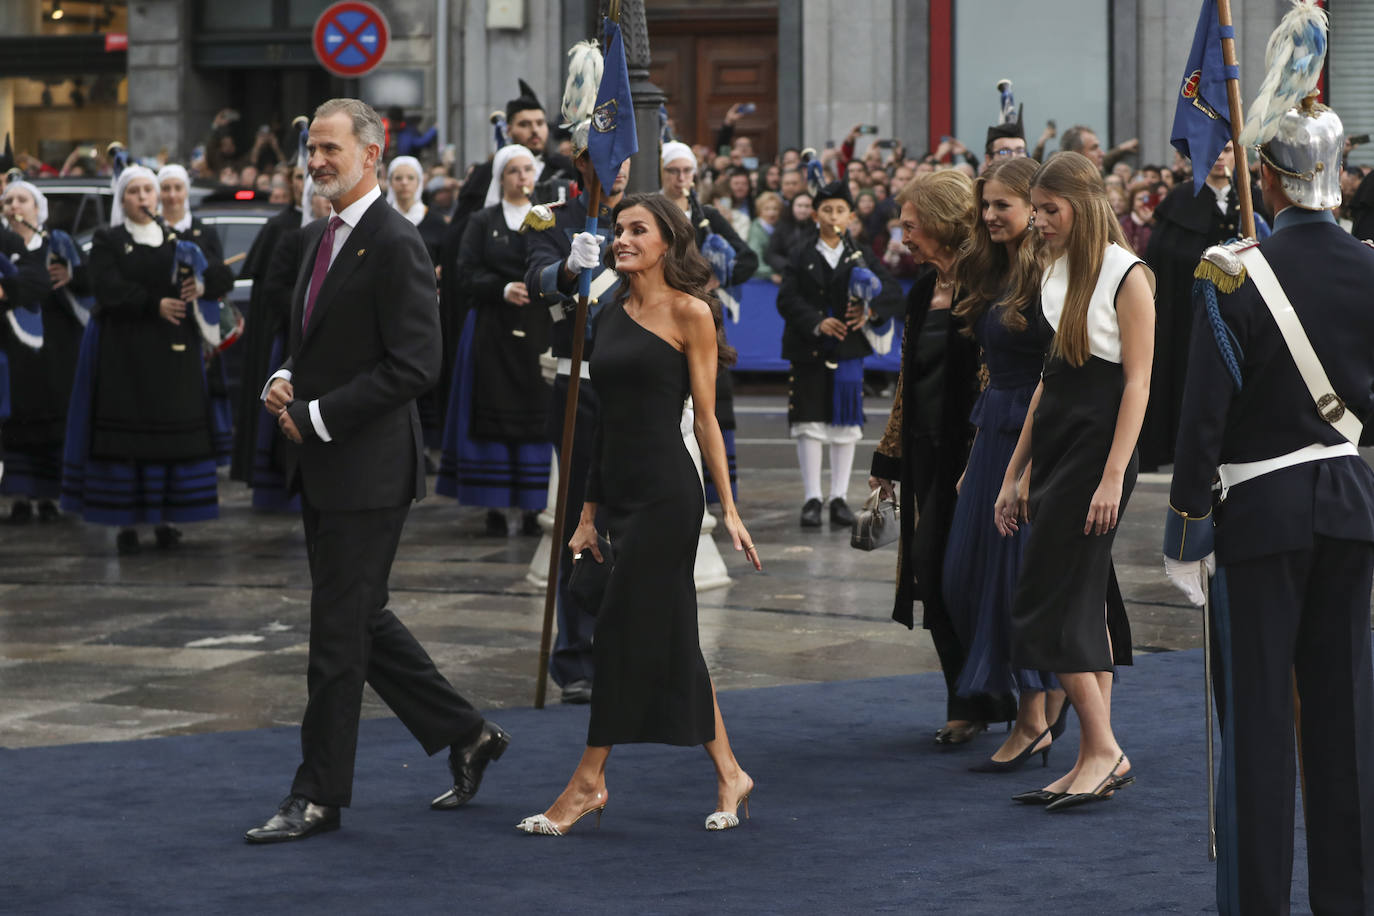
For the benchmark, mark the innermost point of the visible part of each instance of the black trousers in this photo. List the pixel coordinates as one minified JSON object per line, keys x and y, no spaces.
{"x":355,"y":639}
{"x":571,"y":659}
{"x":1305,"y":613}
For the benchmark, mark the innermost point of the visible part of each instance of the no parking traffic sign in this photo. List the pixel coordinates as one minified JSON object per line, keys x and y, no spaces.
{"x":350,"y":38}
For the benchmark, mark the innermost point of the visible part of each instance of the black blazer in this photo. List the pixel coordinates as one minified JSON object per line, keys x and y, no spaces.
{"x":1272,"y":414}
{"x":811,"y":291}
{"x":372,"y":347}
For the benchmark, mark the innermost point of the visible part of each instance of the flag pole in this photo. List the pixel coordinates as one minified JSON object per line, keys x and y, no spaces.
{"x":565,"y":452}
{"x":1228,"y":55}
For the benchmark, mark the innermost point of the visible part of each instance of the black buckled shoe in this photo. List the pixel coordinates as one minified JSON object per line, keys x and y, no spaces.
{"x":840,"y":514}
{"x":126,"y":542}
{"x":469,"y":763}
{"x":297,"y":818}
{"x":811,"y":514}
{"x":497,"y":527}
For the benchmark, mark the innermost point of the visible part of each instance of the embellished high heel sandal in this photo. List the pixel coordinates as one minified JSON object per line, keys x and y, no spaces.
{"x":540,"y":825}
{"x":725,"y":820}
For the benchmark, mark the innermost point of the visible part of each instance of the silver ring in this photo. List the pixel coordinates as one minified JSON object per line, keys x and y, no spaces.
{"x":577,"y":556}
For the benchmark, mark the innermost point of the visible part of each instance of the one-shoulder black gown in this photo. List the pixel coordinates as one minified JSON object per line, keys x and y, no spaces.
{"x":651,"y":682}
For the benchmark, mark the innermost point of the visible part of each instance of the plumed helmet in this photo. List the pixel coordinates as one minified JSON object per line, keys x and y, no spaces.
{"x":1306,"y":151}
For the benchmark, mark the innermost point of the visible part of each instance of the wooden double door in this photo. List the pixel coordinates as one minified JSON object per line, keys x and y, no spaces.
{"x":707,"y":60}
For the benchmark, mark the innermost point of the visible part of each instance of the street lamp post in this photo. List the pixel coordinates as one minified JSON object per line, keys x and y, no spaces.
{"x":647,"y":97}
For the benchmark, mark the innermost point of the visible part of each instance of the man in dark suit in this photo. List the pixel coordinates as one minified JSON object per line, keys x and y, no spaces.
{"x":364,"y":342}
{"x":1278,"y":416}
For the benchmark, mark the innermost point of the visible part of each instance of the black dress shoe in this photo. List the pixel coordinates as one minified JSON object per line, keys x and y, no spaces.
{"x":297,"y":818}
{"x":577,"y":692}
{"x":467,"y":765}
{"x":21,"y":512}
{"x":1037,"y":797}
{"x":167,"y":536}
{"x":811,"y":514}
{"x":47,"y":511}
{"x":840,"y":514}
{"x":496,"y":524}
{"x":529,"y":525}
{"x":126,"y":542}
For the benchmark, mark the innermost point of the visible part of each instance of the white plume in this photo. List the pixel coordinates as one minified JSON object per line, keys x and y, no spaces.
{"x":1293,"y":64}
{"x":584,"y":79}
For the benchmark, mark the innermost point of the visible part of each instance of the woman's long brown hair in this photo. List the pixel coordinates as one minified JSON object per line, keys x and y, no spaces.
{"x":1075,"y":178}
{"x":684,"y":268}
{"x":989,"y":278}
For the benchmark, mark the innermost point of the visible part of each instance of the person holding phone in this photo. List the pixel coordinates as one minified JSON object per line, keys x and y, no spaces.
{"x":1139,"y":221}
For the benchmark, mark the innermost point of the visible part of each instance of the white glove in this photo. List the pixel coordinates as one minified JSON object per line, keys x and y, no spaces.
{"x":586,"y":252}
{"x":1186,"y":575}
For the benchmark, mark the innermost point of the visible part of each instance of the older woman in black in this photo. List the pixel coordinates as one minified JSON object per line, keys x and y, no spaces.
{"x":926,"y":444}
{"x":138,"y":447}
{"x":41,"y":338}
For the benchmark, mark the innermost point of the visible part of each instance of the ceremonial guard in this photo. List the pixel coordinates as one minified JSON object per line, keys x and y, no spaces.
{"x":1280,"y":383}
{"x":559,"y":250}
{"x":41,"y":338}
{"x":828,"y":332}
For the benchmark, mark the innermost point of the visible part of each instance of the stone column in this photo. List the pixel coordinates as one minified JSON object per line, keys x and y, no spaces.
{"x":157,"y":33}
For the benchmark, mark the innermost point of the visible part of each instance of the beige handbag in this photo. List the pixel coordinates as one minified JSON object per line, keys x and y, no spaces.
{"x":877,"y":523}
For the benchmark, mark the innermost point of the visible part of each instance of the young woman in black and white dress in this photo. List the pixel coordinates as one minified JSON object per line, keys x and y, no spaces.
{"x":1080,"y":441}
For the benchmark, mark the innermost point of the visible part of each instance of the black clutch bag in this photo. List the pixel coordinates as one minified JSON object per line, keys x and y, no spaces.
{"x":587,"y":582}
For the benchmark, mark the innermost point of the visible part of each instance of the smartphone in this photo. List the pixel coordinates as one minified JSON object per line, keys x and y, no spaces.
{"x":748,"y":108}
{"x":868,"y":128}
{"x":750,"y":162}
{"x":885,"y":144}
{"x":1358,"y":139}
{"x":894,"y":233}
{"x":830,"y":144}
{"x":1051,"y":125}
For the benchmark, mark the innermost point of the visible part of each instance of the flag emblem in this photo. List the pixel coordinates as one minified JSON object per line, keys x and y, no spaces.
{"x":605,"y":115}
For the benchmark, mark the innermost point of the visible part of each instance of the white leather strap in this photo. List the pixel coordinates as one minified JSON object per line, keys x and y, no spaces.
{"x":1329,"y":404}
{"x":1232,"y":474}
{"x":600,"y":283}
{"x":565,"y":367}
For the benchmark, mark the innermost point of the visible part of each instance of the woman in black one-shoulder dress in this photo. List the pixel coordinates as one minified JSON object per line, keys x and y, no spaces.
{"x":655,"y":346}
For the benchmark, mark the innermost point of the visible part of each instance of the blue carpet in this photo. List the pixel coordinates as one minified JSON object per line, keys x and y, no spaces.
{"x":855,"y":811}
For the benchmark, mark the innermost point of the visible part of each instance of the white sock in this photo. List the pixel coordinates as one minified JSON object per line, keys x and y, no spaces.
{"x":809,"y":457}
{"x":841,"y":466}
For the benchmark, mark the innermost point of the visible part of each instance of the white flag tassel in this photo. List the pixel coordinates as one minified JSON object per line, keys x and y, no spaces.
{"x":579,"y":93}
{"x":1293,"y":64}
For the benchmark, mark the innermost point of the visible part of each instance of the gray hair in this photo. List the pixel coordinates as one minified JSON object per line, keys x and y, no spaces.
{"x":367,"y":124}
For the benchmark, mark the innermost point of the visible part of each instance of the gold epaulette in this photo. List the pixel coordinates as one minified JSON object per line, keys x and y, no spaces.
{"x":539,"y":218}
{"x":1221,"y":266}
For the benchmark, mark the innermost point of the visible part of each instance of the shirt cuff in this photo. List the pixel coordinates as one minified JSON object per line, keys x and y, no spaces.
{"x":280,"y":373}
{"x":318,"y":422}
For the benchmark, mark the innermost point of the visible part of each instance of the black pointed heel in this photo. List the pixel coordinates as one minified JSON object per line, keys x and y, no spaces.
{"x":1109,"y":784}
{"x":1037,"y":797}
{"x":1015,"y":763}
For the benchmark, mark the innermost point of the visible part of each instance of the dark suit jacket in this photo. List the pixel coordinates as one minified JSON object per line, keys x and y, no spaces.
{"x":1272,"y":413}
{"x":372,"y":347}
{"x":812,"y":290}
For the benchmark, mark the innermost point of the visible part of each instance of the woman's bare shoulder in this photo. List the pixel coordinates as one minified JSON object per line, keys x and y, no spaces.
{"x":688,"y":309}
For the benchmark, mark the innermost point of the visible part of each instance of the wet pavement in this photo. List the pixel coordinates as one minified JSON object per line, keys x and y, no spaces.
{"x":211,"y":636}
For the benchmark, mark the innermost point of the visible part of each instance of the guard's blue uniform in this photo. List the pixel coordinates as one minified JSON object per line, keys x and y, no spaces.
{"x":550,"y":287}
{"x":1295,"y":555}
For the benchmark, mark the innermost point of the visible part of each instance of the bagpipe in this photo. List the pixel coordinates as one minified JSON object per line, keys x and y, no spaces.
{"x":720,"y":255}
{"x":26,"y":319}
{"x":220,"y":323}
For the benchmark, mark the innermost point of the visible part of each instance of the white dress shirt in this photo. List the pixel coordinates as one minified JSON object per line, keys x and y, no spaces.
{"x":350,"y":216}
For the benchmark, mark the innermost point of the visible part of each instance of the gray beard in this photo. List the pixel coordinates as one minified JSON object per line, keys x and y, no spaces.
{"x":340,"y":186}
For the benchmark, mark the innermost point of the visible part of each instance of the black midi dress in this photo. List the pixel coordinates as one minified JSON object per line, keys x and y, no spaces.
{"x":651,"y":683}
{"x":1068,"y":615}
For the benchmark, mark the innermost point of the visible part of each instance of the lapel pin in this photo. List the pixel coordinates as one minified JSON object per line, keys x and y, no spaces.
{"x":360,"y":251}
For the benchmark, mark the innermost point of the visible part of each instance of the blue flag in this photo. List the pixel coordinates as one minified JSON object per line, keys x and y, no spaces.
{"x":612,"y":139}
{"x":1202,"y":120}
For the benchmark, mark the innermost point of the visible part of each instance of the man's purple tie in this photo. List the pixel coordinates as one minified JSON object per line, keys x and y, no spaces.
{"x":321,"y":268}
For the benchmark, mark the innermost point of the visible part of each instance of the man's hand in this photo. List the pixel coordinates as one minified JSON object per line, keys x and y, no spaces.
{"x":585,"y":253}
{"x":517,"y":293}
{"x":855,"y":316}
{"x":1186,"y":575}
{"x":59,"y":274}
{"x":189,"y":289}
{"x":288,"y":427}
{"x":172,"y":310}
{"x":834,"y":327}
{"x":733,"y":114}
{"x":279,"y":395}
